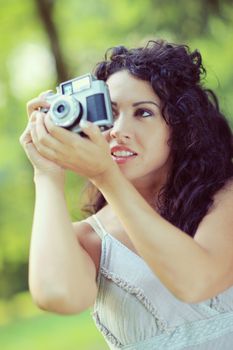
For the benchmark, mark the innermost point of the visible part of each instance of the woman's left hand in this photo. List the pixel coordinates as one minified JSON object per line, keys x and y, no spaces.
{"x":87,"y":156}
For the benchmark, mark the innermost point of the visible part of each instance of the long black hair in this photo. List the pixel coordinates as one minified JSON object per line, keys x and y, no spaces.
{"x":202,"y":141}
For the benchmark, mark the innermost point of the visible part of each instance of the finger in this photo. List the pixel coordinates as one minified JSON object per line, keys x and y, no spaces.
{"x":30,"y":150}
{"x":36,"y":115}
{"x":39,"y":102}
{"x":48,"y":153}
{"x":45,"y":138}
{"x":46,"y":93}
{"x":61,"y":134}
{"x":92,"y":131}
{"x":26,"y":136}
{"x":33,"y":133}
{"x":35,"y":104}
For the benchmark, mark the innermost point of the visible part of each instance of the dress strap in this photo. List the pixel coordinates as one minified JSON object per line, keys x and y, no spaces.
{"x":96,"y":225}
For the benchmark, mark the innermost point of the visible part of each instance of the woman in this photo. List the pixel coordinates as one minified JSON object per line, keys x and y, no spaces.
{"x":156,"y":254}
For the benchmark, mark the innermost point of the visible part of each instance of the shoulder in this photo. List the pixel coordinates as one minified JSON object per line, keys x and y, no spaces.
{"x":215,"y":236}
{"x":224,"y":195}
{"x":220,"y":215}
{"x":215,"y":231}
{"x":222,"y":208}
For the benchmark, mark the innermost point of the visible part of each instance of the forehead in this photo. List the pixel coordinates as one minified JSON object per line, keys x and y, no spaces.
{"x":123,"y":85}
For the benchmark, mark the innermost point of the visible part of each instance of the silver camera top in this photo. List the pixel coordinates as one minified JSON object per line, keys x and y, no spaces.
{"x":84,"y":97}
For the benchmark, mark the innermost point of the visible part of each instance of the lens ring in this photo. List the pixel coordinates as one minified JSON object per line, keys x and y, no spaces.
{"x":66,"y":111}
{"x":61,"y":109}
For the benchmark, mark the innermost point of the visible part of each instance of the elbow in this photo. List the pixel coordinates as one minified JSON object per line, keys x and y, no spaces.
{"x":61,"y":301}
{"x":188,"y":297}
{"x":53,"y":303}
{"x":193,"y":294}
{"x":49,"y":300}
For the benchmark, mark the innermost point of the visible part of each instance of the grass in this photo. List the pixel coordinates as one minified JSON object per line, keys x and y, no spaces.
{"x":38,"y":330}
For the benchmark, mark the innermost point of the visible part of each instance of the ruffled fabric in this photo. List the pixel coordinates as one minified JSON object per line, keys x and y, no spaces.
{"x":139,"y":294}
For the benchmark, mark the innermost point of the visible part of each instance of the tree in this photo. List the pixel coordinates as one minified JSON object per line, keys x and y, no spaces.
{"x":45,"y":11}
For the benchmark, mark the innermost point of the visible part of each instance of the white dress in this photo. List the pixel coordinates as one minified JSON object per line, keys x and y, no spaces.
{"x":135,"y":311}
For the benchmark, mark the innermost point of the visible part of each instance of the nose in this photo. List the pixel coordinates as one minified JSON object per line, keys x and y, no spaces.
{"x":122,"y":129}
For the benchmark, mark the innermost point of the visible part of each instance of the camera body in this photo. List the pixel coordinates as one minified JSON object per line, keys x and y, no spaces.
{"x":84,"y":97}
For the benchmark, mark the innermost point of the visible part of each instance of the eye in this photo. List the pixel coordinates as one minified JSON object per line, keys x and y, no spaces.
{"x":114,"y":113}
{"x":144,"y":113}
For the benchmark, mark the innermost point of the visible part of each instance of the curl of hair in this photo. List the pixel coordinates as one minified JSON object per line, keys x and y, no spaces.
{"x":201,"y":142}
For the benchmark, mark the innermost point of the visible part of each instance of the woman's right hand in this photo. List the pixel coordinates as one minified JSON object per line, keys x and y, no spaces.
{"x":29,"y":138}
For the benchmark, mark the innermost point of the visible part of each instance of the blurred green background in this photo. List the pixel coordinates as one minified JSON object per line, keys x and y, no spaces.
{"x":44,"y":42}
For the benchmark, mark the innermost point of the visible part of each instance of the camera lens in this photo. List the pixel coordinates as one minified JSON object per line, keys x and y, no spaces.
{"x":65,"y":111}
{"x":60,"y":108}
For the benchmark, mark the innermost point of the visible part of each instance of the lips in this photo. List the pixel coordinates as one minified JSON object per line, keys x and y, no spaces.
{"x":122,"y":154}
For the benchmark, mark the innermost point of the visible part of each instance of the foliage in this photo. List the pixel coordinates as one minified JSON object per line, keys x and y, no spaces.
{"x":30,"y":329}
{"x":28,"y":65}
{"x":85,"y":29}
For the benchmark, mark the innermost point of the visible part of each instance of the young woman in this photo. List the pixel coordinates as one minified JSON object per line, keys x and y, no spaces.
{"x":155,"y":256}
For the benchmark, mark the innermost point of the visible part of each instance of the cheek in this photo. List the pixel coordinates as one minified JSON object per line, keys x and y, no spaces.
{"x":158,"y":143}
{"x":106,"y":135}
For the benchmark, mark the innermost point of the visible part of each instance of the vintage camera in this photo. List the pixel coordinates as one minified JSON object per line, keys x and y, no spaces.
{"x":83,"y":97}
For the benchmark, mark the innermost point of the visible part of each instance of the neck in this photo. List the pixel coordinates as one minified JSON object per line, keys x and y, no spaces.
{"x":149,"y":193}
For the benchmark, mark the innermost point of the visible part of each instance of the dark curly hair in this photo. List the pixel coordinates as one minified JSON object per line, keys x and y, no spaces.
{"x":201,"y":142}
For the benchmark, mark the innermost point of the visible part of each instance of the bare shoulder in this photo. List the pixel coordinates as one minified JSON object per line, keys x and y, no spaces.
{"x":89,"y":240}
{"x":215,"y":236}
{"x":216,"y":228}
{"x":224,"y":195}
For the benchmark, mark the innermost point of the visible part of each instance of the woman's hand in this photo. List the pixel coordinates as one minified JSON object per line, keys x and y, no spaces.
{"x":40,"y":163}
{"x":87,"y":156}
{"x":51,"y":148}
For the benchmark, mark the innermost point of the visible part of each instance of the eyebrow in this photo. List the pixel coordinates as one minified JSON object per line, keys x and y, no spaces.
{"x":142,"y":102}
{"x":135,"y":104}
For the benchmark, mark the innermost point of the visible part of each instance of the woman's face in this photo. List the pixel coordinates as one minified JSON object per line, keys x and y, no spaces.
{"x":139,"y":137}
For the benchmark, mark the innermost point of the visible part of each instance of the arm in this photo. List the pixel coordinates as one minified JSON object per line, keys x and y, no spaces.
{"x":192,"y":269}
{"x":61,"y":273}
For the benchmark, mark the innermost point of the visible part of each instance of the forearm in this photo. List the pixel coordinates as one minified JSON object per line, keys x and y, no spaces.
{"x":58,"y":267}
{"x":180,"y":263}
